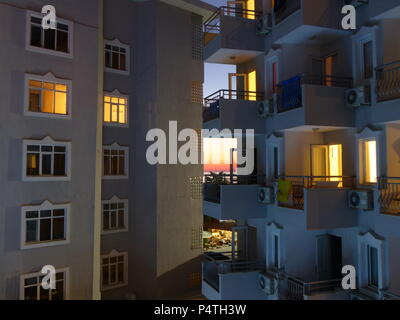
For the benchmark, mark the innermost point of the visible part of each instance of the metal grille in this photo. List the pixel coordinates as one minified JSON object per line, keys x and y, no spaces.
{"x":197,"y":41}
{"x":197,"y":92}
{"x":197,"y":238}
{"x":196,"y":188}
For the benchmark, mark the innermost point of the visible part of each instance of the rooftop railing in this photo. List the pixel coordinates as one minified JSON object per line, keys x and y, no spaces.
{"x":290,"y":93}
{"x":388,"y":81}
{"x":389,"y":195}
{"x":299,"y":183}
{"x":212,"y":26}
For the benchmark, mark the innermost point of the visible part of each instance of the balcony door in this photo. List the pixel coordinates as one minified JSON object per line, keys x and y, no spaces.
{"x":326,"y":161}
{"x":329,"y":257}
{"x":239,"y":82}
{"x":236,"y":8}
{"x":244,"y":239}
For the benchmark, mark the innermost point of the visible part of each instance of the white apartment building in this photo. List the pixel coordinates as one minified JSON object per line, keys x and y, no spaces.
{"x":324,"y":104}
{"x":76,"y":190}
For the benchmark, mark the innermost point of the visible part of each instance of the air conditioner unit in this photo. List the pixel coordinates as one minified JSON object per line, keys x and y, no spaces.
{"x":266,"y":195}
{"x":265,"y":108}
{"x":356,"y":97}
{"x":355,"y":3}
{"x":360,"y":199}
{"x":264,"y":25}
{"x":266,"y":284}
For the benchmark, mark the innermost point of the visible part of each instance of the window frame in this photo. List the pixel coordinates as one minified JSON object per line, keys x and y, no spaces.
{"x":366,"y":241}
{"x":29,"y":47}
{"x":273,"y":231}
{"x":46,"y":141}
{"x":46,"y":205}
{"x":117,"y":94}
{"x":23,"y":277}
{"x":116,"y":146}
{"x":119,"y":44}
{"x":114,"y":200}
{"x":49,"y":77}
{"x":112,"y":254}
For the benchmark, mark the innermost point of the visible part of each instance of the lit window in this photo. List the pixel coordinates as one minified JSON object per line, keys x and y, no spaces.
{"x":53,"y":41}
{"x":115,"y":110}
{"x":45,"y":159}
{"x":117,"y":57}
{"x":115,"y":215}
{"x":44,"y":225}
{"x":47,"y":96}
{"x":115,"y":162}
{"x":252,"y":85}
{"x":114,"y":270}
{"x":369,"y":165}
{"x":31,"y":287}
{"x":218,"y":153}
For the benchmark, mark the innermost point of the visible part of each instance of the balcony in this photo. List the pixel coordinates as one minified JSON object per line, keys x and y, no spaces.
{"x":298,"y":289}
{"x":230,"y":36}
{"x":389,"y":195}
{"x":322,"y":199}
{"x":232,"y":197}
{"x":307,"y":100}
{"x":225,"y":278}
{"x":388,"y":82}
{"x":307,"y":22}
{"x":233,"y":109}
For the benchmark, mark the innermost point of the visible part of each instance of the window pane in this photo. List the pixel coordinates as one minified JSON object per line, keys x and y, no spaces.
{"x":113,"y":274}
{"x":58,"y":229}
{"x":106,"y":222}
{"x":61,"y":103}
{"x":371,"y":170}
{"x":45,"y":229}
{"x":107,"y":108}
{"x":44,"y":294}
{"x":373,"y":266}
{"x":58,"y":213}
{"x":58,"y":293}
{"x":31,"y":214}
{"x":30,"y":293}
{"x":122,"y":62}
{"x":368,"y":69}
{"x":31,"y":231}
{"x":122,"y":116}
{"x":121,"y":165}
{"x":120,"y":272}
{"x":50,"y":39}
{"x":114,"y":116}
{"x":121,"y":224}
{"x":114,"y":165}
{"x":115,"y":60}
{"x":36,"y":36}
{"x":48,"y":101}
{"x":105,"y":275}
{"x":46,"y":164}
{"x":59,"y":164}
{"x":32,"y":164}
{"x":113,"y":220}
{"x":106,"y":165}
{"x":62,"y":41}
{"x":108,"y":59}
{"x":34,"y":100}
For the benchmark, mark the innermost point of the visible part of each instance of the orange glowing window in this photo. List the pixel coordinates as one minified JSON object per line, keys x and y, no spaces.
{"x":115,"y":110}
{"x":48,"y":97}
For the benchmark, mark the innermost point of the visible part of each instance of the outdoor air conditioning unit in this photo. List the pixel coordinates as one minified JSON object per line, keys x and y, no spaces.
{"x":266,"y":284}
{"x":265,"y":108}
{"x":264,"y":25}
{"x":356,"y":97}
{"x":355,"y":3}
{"x":266,"y":195}
{"x":360,"y":199}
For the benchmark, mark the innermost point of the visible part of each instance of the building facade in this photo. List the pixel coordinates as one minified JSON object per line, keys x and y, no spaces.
{"x":77,"y":191}
{"x":324,"y":106}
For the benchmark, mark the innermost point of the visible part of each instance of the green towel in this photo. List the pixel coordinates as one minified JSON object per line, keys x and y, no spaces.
{"x":284,"y":189}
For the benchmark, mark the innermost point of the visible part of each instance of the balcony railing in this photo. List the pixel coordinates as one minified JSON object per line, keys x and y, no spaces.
{"x":213,"y":182}
{"x":212,"y":102}
{"x":388,"y":81}
{"x":212,"y":26}
{"x":297,"y":288}
{"x":290,"y":94}
{"x":284,"y":8}
{"x":389,"y":195}
{"x":215,"y":264}
{"x":299,"y":183}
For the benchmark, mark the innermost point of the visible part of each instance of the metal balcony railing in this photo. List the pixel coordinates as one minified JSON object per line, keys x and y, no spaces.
{"x":213,"y":182}
{"x":290,"y":93}
{"x":212,"y":102}
{"x":389,"y":195}
{"x":215,"y":264}
{"x":297,"y":288}
{"x":284,"y":8}
{"x":299,"y":183}
{"x":388,"y":81}
{"x":212,"y":26}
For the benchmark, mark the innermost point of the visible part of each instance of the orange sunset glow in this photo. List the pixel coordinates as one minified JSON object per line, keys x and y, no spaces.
{"x":217,"y":154}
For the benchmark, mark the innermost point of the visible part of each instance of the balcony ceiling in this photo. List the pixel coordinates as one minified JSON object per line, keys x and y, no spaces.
{"x":232,"y":56}
{"x":311,"y":35}
{"x":316,"y":129}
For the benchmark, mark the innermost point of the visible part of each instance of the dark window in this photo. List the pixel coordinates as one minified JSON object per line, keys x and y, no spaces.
{"x":276,"y":251}
{"x":368,"y":60}
{"x":373,"y":278}
{"x":276,"y":163}
{"x":59,"y":164}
